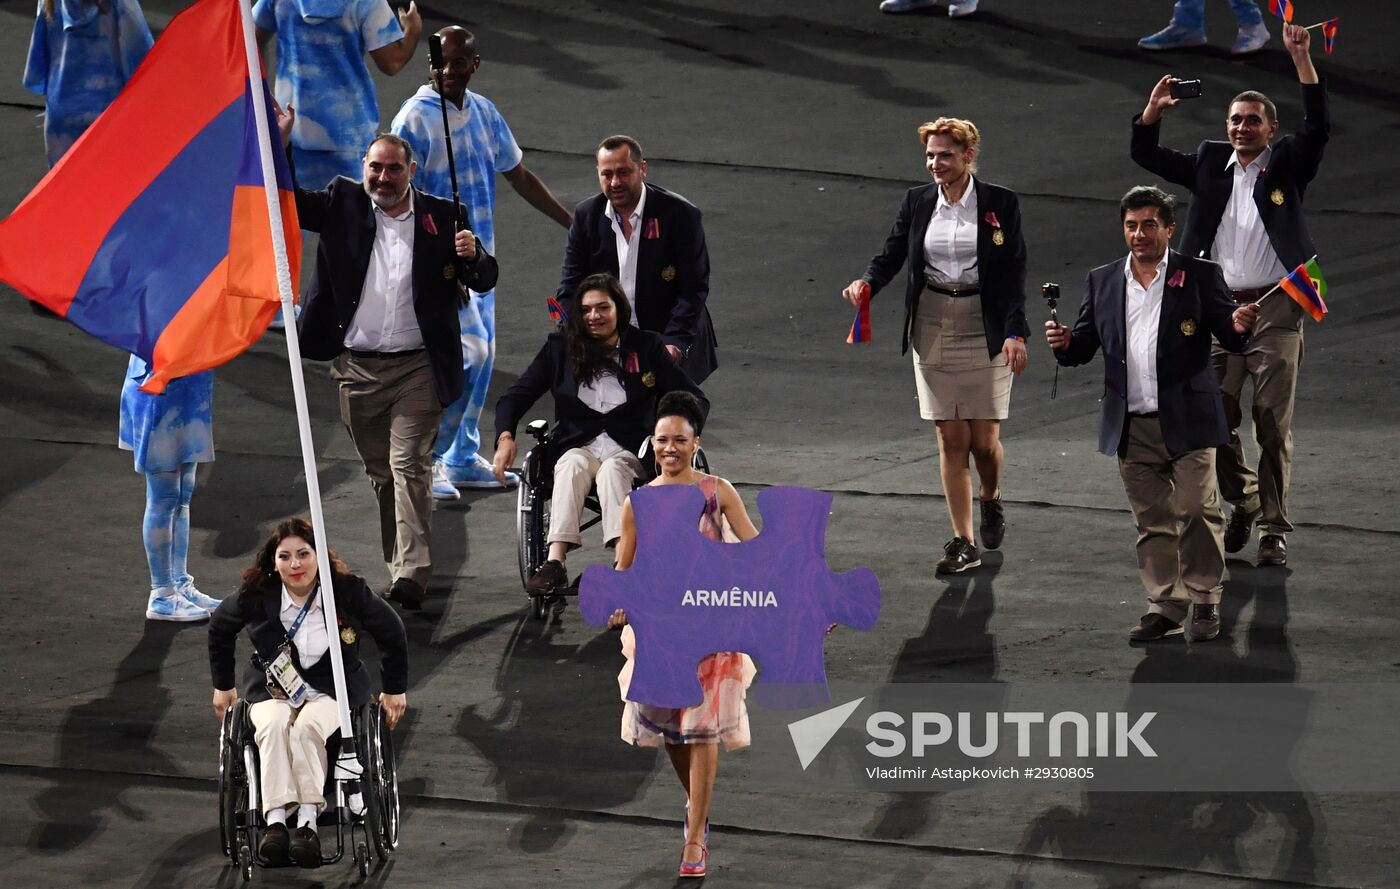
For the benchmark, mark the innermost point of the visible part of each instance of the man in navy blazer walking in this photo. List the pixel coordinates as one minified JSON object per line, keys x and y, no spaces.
{"x":1154,"y":315}
{"x":652,"y":241}
{"x":1247,"y":215}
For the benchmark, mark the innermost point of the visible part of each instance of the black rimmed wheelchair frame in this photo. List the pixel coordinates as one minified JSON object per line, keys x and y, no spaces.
{"x":240,"y":805}
{"x":533,"y":503}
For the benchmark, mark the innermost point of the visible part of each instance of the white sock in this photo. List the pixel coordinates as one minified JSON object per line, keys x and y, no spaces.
{"x":306,"y":817}
{"x":277,"y":815}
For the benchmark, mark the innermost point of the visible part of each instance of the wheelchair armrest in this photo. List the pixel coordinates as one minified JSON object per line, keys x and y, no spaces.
{"x":539,"y":429}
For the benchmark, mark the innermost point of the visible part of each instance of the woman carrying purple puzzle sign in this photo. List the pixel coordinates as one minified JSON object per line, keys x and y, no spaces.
{"x":691,"y":734}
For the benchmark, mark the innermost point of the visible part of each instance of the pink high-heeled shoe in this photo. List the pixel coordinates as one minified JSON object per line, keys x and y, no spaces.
{"x":694,"y":868}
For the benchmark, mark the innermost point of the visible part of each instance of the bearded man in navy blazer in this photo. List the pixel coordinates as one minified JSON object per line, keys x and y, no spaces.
{"x":1154,"y":315}
{"x":652,"y":241}
{"x":1247,"y":215}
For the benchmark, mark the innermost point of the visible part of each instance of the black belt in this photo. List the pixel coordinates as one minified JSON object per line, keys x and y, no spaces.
{"x":383,"y":356}
{"x":953,"y":289}
{"x":1150,"y":415}
{"x":1249,"y":294}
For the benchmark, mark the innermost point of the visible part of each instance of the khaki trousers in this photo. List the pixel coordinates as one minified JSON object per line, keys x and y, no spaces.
{"x":1180,"y":546}
{"x":292,"y":750}
{"x":391,"y":409}
{"x":573,"y":475}
{"x":1271,"y":363}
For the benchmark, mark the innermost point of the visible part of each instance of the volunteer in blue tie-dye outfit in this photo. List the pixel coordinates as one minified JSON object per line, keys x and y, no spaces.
{"x":169,"y":435}
{"x":80,"y":57}
{"x":321,"y":72}
{"x":482,"y":146}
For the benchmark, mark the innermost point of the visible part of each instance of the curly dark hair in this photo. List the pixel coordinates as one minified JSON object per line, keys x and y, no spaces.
{"x":265,"y":565}
{"x":683,"y":404}
{"x":590,"y":358}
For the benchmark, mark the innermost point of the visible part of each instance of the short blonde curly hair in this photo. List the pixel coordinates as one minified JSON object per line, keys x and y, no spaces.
{"x":963,"y":132}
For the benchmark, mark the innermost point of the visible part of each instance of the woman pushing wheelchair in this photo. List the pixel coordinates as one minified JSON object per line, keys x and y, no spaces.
{"x":289,"y":682}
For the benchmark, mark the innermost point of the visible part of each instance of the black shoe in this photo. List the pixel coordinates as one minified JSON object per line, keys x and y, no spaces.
{"x":960,"y":554}
{"x":1272,"y":551}
{"x":1237,"y":531}
{"x":993,"y":523}
{"x":305,"y":848}
{"x":1153,"y":628}
{"x":274,"y":845}
{"x":408,"y":594}
{"x":548,"y":579}
{"x":1205,"y":623}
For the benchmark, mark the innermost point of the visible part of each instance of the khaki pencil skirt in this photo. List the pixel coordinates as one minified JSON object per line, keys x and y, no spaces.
{"x":955,"y":377}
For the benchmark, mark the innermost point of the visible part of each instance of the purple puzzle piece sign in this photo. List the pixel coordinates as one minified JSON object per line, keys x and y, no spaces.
{"x":772,"y":597}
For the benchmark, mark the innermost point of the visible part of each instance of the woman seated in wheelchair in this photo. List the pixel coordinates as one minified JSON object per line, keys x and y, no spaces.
{"x":606,"y":376}
{"x":289,"y":683}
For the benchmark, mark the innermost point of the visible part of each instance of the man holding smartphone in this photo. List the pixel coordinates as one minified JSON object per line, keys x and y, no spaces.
{"x":1247,"y":216}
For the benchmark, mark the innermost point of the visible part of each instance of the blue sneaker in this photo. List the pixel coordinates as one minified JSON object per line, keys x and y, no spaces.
{"x":1173,"y":36}
{"x":443,"y":489}
{"x":477,"y":476}
{"x":167,"y":604}
{"x":191,"y":593}
{"x":905,"y":5}
{"x":1250,"y":39}
{"x":279,"y":324}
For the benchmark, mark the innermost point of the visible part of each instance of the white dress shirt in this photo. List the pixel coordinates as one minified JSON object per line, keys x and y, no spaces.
{"x":603,"y":395}
{"x":1242,"y":245}
{"x":385,"y":321}
{"x":311,"y":639}
{"x":1143,"y":314}
{"x":627,"y":249}
{"x":950,"y":241}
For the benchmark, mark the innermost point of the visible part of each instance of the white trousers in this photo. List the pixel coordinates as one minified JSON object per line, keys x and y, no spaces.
{"x":575,"y":472}
{"x":292,"y":750}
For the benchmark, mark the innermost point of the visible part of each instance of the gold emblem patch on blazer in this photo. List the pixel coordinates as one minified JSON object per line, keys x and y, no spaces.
{"x":998,"y":238}
{"x":1277,"y":197}
{"x":668,"y":273}
{"x":449,"y":271}
{"x":347,"y":635}
{"x":1188,"y":327}
{"x":648,"y":379}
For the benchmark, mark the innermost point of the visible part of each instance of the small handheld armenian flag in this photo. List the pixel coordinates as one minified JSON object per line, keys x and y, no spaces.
{"x":557,"y":313}
{"x":860,"y":327}
{"x":1329,"y":35}
{"x":1282,"y":8}
{"x":1307,"y":287}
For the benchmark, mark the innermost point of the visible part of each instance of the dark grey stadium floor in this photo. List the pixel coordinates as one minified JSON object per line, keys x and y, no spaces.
{"x":791,"y":126}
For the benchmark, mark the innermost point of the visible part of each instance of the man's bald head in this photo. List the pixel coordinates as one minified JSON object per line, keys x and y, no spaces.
{"x":459,"y":36}
{"x":459,"y":63}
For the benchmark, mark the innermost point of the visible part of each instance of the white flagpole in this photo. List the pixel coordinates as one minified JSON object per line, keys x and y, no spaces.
{"x":308,"y":454}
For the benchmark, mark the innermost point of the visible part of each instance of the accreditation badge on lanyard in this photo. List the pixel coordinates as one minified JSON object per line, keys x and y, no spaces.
{"x":284,"y":683}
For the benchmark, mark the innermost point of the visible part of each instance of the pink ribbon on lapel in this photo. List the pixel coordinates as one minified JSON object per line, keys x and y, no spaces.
{"x":1179,"y":279}
{"x":631,"y":364}
{"x":428,"y":225}
{"x":991,"y":219}
{"x":652,"y":230}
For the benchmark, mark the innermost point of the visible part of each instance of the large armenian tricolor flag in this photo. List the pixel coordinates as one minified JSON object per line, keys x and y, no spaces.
{"x":152,"y":232}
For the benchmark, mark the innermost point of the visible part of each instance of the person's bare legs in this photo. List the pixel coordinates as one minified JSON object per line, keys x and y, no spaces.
{"x":987,"y":453}
{"x":954,"y":447}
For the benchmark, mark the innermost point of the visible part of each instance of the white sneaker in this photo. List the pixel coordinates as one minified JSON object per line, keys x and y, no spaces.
{"x":959,"y":8}
{"x":192,"y":594}
{"x":897,"y":6}
{"x":443,"y":489}
{"x":167,"y":604}
{"x":1250,"y":39}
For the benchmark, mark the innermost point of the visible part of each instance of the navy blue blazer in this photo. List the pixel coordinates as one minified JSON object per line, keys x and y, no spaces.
{"x":344,"y":216}
{"x":576,"y":423}
{"x":1188,"y":398}
{"x":1001,"y":268}
{"x":1278,"y":193}
{"x":359,"y":611}
{"x":673,"y":271}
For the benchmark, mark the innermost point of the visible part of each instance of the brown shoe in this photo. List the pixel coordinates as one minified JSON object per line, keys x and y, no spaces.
{"x":274,"y":845}
{"x":407,"y":593}
{"x":548,"y":578}
{"x":1272,"y":551}
{"x":305,"y":848}
{"x":1153,"y":628}
{"x":993,"y":523}
{"x":1205,"y":623}
{"x":959,"y":554}
{"x":1237,"y":531}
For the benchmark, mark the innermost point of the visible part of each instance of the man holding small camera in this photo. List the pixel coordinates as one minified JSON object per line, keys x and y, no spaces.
{"x":1247,"y":215}
{"x":1153,"y":315}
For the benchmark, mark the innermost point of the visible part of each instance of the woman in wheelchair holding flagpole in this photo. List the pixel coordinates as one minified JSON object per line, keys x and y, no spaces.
{"x":606,"y":376}
{"x":289,"y":682}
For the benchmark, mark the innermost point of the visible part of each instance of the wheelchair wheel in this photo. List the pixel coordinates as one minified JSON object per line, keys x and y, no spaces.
{"x":539,"y":607}
{"x":228,"y":812}
{"x":380,"y":785}
{"x":700,"y":462}
{"x":245,"y":862}
{"x":531,"y":518}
